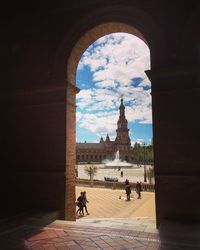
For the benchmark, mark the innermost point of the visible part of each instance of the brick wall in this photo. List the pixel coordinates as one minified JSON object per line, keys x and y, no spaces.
{"x":33,"y":159}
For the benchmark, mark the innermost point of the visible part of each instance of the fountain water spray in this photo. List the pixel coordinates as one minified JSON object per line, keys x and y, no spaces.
{"x":117,"y":162}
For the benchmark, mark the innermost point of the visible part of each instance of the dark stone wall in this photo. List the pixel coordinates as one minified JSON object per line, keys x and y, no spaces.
{"x":33,"y":159}
{"x":36,"y":41}
{"x":176,"y":101}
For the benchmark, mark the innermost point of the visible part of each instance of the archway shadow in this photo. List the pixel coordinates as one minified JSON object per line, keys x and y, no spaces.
{"x":26,"y":229}
{"x":179,"y":235}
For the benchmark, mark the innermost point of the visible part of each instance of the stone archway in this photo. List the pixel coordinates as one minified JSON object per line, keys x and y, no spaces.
{"x":36,"y":53}
{"x":82,"y":44}
{"x":91,"y":36}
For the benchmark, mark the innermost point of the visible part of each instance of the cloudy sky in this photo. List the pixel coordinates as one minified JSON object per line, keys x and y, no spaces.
{"x":112,"y":67}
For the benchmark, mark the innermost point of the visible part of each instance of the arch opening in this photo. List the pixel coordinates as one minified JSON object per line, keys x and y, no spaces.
{"x":90,"y":37}
{"x":83,"y":44}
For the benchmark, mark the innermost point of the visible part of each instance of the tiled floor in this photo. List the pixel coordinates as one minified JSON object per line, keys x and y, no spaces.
{"x":59,"y":235}
{"x":113,"y":223}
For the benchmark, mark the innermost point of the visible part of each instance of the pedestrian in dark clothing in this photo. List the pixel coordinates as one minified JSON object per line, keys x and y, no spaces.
{"x":80,"y":204}
{"x":138,"y":189}
{"x":85,"y":201}
{"x":128,"y":189}
{"x":122,"y":173}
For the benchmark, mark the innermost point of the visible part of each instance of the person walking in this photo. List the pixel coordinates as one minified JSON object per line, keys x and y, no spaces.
{"x":138,"y":189}
{"x":128,"y":189}
{"x":85,"y":201}
{"x":80,"y":204}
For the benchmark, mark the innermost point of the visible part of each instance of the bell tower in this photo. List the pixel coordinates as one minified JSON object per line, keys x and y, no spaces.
{"x":122,"y":140}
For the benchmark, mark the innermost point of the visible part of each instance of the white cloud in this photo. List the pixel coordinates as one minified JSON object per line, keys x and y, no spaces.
{"x":84,"y":94}
{"x":99,"y":125}
{"x":122,"y":57}
{"x":139,"y":141}
{"x":115,"y":60}
{"x":106,"y":84}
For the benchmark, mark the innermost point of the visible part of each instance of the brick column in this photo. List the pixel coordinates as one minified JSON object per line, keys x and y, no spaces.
{"x":70,"y":212}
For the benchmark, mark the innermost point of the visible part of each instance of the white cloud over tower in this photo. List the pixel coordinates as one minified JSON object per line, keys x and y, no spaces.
{"x":117,"y":63}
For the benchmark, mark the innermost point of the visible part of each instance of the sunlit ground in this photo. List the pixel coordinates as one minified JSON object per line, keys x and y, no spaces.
{"x":105,"y":203}
{"x":133,"y":174}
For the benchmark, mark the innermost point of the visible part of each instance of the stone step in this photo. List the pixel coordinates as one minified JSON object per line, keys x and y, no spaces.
{"x":143,"y":224}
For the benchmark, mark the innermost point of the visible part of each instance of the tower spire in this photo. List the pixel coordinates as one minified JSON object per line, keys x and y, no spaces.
{"x":122,"y":109}
{"x":122,"y":139}
{"x":107,"y":138}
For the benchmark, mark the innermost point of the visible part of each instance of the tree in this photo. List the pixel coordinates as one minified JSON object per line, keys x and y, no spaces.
{"x":91,"y":171}
{"x":150,"y":174}
{"x":143,"y":154}
{"x":138,"y":153}
{"x":149,"y":154}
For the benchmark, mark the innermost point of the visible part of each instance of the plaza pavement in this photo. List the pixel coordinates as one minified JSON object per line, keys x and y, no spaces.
{"x":113,"y":224}
{"x":105,"y":203}
{"x":133,"y":174}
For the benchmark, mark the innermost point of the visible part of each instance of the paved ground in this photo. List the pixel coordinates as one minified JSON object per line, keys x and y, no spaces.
{"x":105,"y":203}
{"x":133,"y":174}
{"x":61,"y":235}
{"x":97,"y":231}
{"x":113,"y":223}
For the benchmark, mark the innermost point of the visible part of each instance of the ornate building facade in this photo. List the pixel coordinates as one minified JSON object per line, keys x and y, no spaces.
{"x":106,"y":149}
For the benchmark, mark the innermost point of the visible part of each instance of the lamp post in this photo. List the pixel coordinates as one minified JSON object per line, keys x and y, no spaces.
{"x":145,"y":170}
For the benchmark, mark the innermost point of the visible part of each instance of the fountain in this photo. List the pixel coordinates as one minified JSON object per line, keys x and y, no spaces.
{"x":117,"y":162}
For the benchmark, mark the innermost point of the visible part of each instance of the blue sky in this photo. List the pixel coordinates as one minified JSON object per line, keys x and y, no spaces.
{"x":112,"y":67}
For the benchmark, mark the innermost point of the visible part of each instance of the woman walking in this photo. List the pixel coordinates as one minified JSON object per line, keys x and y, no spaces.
{"x":85,"y":201}
{"x":128,"y":189}
{"x":80,"y":204}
